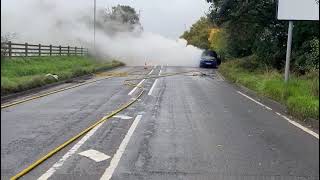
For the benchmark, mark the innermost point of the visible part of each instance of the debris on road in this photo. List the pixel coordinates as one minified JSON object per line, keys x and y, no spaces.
{"x":53,"y":76}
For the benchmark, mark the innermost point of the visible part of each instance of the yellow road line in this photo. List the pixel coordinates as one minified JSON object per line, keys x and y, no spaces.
{"x":115,"y":74}
{"x":57,"y":149}
{"x":38,"y":162}
{"x":109,"y":75}
{"x":49,"y":93}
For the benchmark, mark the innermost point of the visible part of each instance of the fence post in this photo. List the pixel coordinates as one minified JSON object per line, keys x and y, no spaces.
{"x":81,"y":51}
{"x":68,"y":50}
{"x":26,"y":49}
{"x":60,"y":50}
{"x":50,"y":51}
{"x":75,"y":51}
{"x":39,"y":49}
{"x":9,"y":49}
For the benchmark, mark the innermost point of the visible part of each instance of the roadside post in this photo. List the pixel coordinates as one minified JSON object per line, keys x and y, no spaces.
{"x":291,"y":10}
{"x":94,"y":26}
{"x":288,"y":55}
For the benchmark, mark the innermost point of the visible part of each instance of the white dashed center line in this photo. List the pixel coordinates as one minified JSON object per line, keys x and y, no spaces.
{"x":58,"y":164}
{"x":117,"y":156}
{"x":150,"y":72}
{"x":154,"y":84}
{"x":135,"y":88}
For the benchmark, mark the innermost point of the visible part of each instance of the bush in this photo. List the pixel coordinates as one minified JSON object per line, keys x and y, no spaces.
{"x":300,"y":94}
{"x":218,"y":41}
{"x":250,"y":63}
{"x":314,"y":84}
{"x":304,"y":106}
{"x":275,"y":89}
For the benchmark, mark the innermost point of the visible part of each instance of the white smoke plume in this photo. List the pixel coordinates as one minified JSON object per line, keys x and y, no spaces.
{"x":71,"y":23}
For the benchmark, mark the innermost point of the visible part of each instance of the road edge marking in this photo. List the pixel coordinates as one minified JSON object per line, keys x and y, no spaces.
{"x":254,"y":100}
{"x":305,"y":129}
{"x":72,"y":151}
{"x":135,"y":88}
{"x":117,"y":156}
{"x":32,"y":97}
{"x":152,"y":87}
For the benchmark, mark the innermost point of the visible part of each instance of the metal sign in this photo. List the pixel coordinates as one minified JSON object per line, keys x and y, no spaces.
{"x":298,"y":10}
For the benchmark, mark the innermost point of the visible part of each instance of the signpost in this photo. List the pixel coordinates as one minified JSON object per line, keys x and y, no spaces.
{"x":296,"y":10}
{"x":94,"y":25}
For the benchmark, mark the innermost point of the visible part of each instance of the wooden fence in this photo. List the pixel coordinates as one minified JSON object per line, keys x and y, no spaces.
{"x":9,"y":49}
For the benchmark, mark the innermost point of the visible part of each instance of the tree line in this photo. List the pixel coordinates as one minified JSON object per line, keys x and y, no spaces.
{"x":241,"y":28}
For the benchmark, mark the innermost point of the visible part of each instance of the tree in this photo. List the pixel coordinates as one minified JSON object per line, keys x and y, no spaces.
{"x":5,"y":38}
{"x":123,"y":14}
{"x":252,"y":28}
{"x":198,"y":34}
{"x":120,"y":18}
{"x":218,"y":41}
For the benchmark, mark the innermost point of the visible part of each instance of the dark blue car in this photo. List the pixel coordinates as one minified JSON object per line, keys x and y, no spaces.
{"x":209,"y":59}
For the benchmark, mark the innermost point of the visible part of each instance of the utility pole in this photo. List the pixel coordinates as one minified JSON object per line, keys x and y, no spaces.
{"x":288,"y":56}
{"x":94,"y":26}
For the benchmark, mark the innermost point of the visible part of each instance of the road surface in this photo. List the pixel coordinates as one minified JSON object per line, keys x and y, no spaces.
{"x":186,"y":126}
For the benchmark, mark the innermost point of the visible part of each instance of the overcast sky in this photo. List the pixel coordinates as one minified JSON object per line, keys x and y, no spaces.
{"x":166,"y":17}
{"x":69,"y":22}
{"x":169,"y":18}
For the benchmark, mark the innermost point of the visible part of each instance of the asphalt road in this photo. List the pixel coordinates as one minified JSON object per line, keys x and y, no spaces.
{"x":186,"y":126}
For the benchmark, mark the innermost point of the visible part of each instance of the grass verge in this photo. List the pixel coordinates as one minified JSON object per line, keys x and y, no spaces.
{"x":300,"y":94}
{"x":19,"y":74}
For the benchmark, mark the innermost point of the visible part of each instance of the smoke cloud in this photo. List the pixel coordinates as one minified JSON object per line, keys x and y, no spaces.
{"x":63,"y":22}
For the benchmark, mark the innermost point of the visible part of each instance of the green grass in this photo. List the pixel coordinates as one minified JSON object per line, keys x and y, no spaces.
{"x":18,"y":74}
{"x":300,"y":94}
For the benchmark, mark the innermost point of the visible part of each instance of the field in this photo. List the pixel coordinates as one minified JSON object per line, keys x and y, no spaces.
{"x":18,"y":74}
